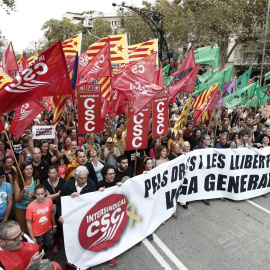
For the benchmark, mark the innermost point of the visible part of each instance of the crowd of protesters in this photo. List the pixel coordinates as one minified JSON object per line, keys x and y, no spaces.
{"x":74,"y":164}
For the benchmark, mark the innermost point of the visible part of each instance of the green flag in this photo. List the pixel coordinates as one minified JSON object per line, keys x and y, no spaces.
{"x":242,"y":81}
{"x":166,"y":70}
{"x":228,"y":73}
{"x":236,"y":98}
{"x":206,"y":76}
{"x":253,"y":102}
{"x":224,"y":76}
{"x":251,"y":89}
{"x":167,"y":81}
{"x":267,"y":76}
{"x":215,"y":72}
{"x":263,"y":94}
{"x":208,"y":56}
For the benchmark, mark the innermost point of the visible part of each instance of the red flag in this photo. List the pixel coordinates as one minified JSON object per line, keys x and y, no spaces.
{"x":203,"y":101}
{"x":24,"y":116}
{"x":160,"y":108}
{"x":82,"y":63}
{"x":2,"y":127}
{"x":144,"y":68}
{"x":47,"y":75}
{"x":137,"y":128}
{"x":23,"y":64}
{"x":136,"y":90}
{"x":89,"y":108}
{"x":186,"y":84}
{"x":159,"y":79}
{"x":187,"y":66}
{"x":9,"y":62}
{"x":100,"y":66}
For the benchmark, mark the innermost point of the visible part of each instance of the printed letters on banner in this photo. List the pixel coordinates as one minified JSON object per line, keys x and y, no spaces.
{"x":89,"y":108}
{"x":105,"y":224}
{"x":43,"y":132}
{"x":137,"y":128}
{"x":160,"y":107}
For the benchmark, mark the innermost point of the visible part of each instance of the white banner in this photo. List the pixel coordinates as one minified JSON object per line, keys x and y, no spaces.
{"x":101,"y":225}
{"x":43,"y":132}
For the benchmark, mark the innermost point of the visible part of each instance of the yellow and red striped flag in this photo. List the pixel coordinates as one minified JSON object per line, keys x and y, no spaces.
{"x":105,"y":83}
{"x":183,"y":117}
{"x":4,"y":79}
{"x":206,"y":115}
{"x":30,"y":59}
{"x":205,"y":101}
{"x":118,"y":48}
{"x":71,"y":46}
{"x":138,"y":51}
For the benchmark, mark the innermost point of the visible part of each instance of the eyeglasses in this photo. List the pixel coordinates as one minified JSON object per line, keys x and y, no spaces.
{"x":15,"y":239}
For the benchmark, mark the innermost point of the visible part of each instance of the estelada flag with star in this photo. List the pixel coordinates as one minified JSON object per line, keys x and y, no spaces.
{"x":9,"y":62}
{"x":263,"y":94}
{"x":4,"y":79}
{"x":205,"y":101}
{"x":118,"y":49}
{"x":71,"y":46}
{"x":100,"y":66}
{"x":138,"y":51}
{"x":46,"y":76}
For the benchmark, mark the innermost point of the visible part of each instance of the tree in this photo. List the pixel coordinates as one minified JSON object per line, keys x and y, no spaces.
{"x":65,"y":28}
{"x":101,"y":28}
{"x":209,"y":22}
{"x":59,"y":29}
{"x":8,"y":5}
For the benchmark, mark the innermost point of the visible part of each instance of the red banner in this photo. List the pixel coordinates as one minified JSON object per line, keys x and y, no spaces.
{"x":160,"y":111}
{"x":89,"y":108}
{"x":137,"y":128}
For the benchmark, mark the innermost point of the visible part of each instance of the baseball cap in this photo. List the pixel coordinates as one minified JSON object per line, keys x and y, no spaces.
{"x":110,"y":139}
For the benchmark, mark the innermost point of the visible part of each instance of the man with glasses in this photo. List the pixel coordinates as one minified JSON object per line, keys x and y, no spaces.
{"x":6,"y":197}
{"x":16,"y":249}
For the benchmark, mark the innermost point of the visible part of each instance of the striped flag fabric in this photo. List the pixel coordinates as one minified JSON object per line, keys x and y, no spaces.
{"x":105,"y":83}
{"x":71,"y":46}
{"x":205,"y":101}
{"x":138,"y":51}
{"x":4,"y":79}
{"x":183,"y":117}
{"x":30,"y":59}
{"x":118,"y":48}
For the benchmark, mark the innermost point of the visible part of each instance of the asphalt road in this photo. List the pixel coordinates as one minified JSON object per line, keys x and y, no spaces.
{"x":225,"y":235}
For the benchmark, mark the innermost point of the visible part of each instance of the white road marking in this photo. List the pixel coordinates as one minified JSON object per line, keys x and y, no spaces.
{"x":172,"y":257}
{"x":260,"y":207}
{"x":155,"y":253}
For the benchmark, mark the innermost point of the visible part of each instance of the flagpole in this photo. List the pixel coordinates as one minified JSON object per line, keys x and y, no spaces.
{"x":135,"y":165}
{"x":11,"y":148}
{"x":111,"y":90}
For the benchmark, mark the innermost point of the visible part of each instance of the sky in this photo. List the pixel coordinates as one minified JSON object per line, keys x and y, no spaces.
{"x":23,"y":27}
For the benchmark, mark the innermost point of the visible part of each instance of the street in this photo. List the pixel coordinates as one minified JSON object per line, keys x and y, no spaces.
{"x":224,"y":235}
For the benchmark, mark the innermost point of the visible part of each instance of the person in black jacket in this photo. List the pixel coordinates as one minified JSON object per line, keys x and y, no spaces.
{"x":79,"y":184}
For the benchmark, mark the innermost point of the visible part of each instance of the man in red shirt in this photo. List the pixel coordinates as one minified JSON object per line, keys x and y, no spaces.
{"x":15,"y":250}
{"x":40,"y":218}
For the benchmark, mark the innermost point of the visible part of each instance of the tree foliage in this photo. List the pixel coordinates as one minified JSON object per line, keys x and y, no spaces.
{"x":196,"y":23}
{"x":8,"y":5}
{"x":65,"y":28}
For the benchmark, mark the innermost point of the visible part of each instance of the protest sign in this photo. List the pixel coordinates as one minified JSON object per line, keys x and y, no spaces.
{"x":89,"y":108}
{"x":160,"y":107}
{"x":137,"y":128}
{"x":43,"y":132}
{"x":102,"y":226}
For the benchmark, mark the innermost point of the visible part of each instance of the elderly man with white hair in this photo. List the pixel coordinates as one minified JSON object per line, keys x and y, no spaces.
{"x":78,"y":184}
